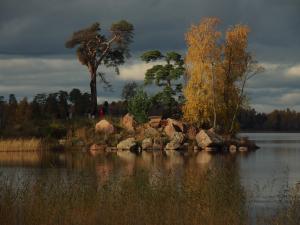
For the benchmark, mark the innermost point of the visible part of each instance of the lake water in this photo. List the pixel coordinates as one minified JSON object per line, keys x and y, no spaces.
{"x":272,"y":170}
{"x":154,"y":187}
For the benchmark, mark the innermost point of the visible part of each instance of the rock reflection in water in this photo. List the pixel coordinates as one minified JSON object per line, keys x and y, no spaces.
{"x":156,"y":188}
{"x":203,"y":158}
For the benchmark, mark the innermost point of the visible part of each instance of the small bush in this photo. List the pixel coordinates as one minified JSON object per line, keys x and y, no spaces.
{"x":139,"y":106}
{"x":56,"y":130}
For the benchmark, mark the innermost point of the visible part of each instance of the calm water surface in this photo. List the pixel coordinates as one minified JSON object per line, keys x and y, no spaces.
{"x":270,"y":172}
{"x":264,"y":175}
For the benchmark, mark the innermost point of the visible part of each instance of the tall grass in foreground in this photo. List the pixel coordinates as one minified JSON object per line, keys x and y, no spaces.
{"x":151,"y":194}
{"x":289,"y":211}
{"x":212,"y":197}
{"x":20,"y":145}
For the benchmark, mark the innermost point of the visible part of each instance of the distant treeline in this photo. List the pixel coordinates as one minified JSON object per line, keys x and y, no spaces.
{"x":46,"y":112}
{"x":277,"y":120}
{"x":25,"y":117}
{"x":59,"y":105}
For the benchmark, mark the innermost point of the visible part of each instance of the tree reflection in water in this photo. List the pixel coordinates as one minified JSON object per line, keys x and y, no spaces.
{"x":124,"y":188}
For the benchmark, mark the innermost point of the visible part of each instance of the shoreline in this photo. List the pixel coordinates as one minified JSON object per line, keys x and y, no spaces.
{"x":264,"y":131}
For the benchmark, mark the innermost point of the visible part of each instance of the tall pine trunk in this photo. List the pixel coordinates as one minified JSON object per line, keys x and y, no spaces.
{"x":93,"y":86}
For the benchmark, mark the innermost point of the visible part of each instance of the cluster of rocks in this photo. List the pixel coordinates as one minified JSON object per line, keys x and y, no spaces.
{"x":169,"y":134}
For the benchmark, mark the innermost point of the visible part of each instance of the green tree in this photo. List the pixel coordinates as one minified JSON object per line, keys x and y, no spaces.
{"x":169,"y":69}
{"x":12,"y":100}
{"x":51,"y":107}
{"x":129,"y":90}
{"x":139,"y":106}
{"x":74,"y":95}
{"x":81,"y":102}
{"x":2,"y":110}
{"x":63,"y":106}
{"x":12,"y":107}
{"x":95,"y":49}
{"x":38,"y":106}
{"x":23,"y":112}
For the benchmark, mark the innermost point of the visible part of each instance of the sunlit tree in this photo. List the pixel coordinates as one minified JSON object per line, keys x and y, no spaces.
{"x":217,"y":72}
{"x":95,"y":49}
{"x":238,"y":66}
{"x":203,"y":65}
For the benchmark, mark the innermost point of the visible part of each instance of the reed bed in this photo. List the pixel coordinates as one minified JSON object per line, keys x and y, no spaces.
{"x":20,"y":158}
{"x":137,"y":200}
{"x":20,"y":145}
{"x":148,"y":195}
{"x":287,"y":213}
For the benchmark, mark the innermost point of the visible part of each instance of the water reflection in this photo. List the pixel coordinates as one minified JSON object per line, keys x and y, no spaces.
{"x":156,"y":187}
{"x":20,"y":159}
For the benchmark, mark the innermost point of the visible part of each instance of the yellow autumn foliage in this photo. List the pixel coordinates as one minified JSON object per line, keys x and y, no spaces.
{"x":217,"y":71}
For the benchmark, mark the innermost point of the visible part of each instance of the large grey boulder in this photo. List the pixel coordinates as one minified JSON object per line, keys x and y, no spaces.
{"x":243,"y":149}
{"x":176,"y":141}
{"x":154,"y":121}
{"x":173,"y":126}
{"x":191,"y":133}
{"x":207,"y":138}
{"x":249,"y":144}
{"x":103,"y":126}
{"x":127,"y":144}
{"x":147,"y":144}
{"x":151,"y":132}
{"x":128,"y":122}
{"x":158,"y":143}
{"x":232,"y":148}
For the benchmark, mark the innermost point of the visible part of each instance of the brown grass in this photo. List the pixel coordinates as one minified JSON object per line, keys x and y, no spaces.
{"x":20,"y":158}
{"x":20,"y":145}
{"x":142,"y":199}
{"x":288,"y":211}
{"x":105,"y":193}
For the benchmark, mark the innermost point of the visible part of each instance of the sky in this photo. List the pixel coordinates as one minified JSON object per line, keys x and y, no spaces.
{"x":33,"y":58}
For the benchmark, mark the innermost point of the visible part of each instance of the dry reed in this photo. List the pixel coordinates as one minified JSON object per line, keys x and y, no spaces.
{"x":20,"y":145}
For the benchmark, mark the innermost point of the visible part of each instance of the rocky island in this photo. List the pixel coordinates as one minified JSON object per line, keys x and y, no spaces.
{"x":165,"y":134}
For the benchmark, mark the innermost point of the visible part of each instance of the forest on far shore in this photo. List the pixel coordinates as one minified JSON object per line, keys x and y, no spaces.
{"x":28,"y":118}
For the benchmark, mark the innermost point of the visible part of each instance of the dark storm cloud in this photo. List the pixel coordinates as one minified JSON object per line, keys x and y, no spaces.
{"x":41,"y":27}
{"x":34,"y":31}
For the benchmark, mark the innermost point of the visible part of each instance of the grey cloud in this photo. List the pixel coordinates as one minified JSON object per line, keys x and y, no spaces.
{"x":29,"y":76}
{"x":41,"y":27}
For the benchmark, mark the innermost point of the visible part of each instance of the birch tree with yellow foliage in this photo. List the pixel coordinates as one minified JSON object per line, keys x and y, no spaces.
{"x":217,"y":71}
